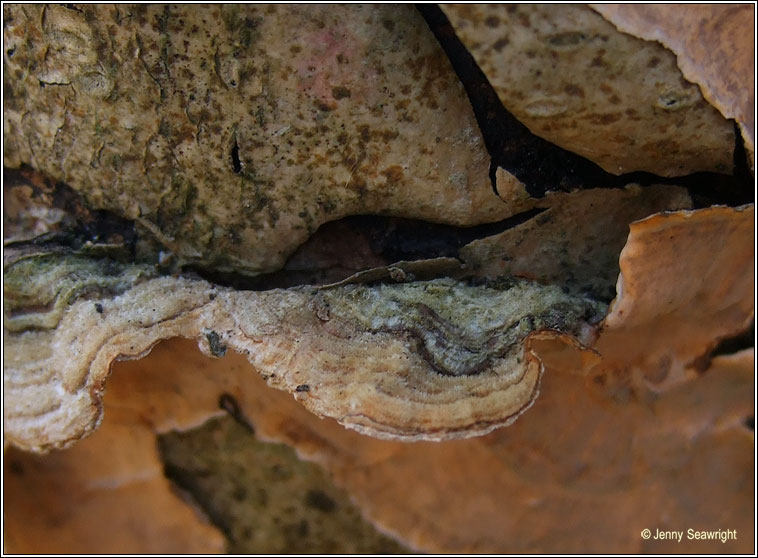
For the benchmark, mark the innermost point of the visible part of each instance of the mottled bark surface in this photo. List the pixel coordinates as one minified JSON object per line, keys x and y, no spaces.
{"x":712,"y":50}
{"x":219,"y":128}
{"x":486,"y":341}
{"x":575,"y":80}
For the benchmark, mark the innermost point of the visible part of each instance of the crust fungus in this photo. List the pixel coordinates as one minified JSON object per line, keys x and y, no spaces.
{"x":108,"y":493}
{"x":454,"y":356}
{"x":307,"y":193}
{"x":619,"y":466}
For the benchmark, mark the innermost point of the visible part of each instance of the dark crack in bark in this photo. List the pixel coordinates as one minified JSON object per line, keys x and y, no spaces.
{"x":543,"y":166}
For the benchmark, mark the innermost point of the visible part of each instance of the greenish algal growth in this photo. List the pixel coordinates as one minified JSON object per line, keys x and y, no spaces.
{"x":263,"y":497}
{"x":460,"y":328}
{"x":38,"y":288}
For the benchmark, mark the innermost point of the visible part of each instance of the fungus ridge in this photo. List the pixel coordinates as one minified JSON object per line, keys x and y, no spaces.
{"x":372,"y":356}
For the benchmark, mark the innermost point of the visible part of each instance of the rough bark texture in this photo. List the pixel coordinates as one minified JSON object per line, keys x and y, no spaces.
{"x":305,"y":193}
{"x":575,"y":80}
{"x":712,"y":49}
{"x":219,"y":128}
{"x":576,"y":242}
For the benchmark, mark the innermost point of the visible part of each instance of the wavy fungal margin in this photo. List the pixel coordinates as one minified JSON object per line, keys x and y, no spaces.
{"x":425,"y":360}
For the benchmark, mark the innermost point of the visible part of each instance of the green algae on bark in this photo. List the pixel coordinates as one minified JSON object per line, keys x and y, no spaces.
{"x":39,"y":288}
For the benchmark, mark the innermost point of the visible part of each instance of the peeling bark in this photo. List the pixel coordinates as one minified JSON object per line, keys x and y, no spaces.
{"x":306,"y":193}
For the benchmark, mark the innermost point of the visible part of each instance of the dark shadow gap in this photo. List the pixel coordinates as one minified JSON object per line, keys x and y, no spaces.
{"x":731,"y":345}
{"x":80,"y":225}
{"x":409,"y":239}
{"x":236,"y":163}
{"x":230,"y":405}
{"x":749,"y":423}
{"x":374,"y":240}
{"x":726,"y":346}
{"x":183,"y":480}
{"x":543,"y":166}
